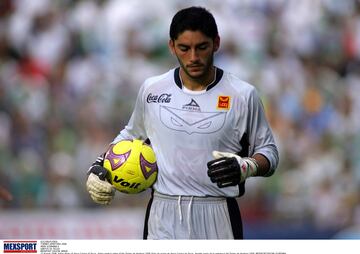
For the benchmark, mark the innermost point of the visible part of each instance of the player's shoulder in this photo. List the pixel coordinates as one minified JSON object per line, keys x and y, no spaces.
{"x":158,"y":80}
{"x":238,"y":85}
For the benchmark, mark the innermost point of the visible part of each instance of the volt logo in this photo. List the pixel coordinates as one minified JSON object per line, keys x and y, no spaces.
{"x":126,"y":184}
{"x":20,"y":246}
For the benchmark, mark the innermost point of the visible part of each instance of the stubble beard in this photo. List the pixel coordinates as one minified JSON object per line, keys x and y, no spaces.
{"x":201,"y":76}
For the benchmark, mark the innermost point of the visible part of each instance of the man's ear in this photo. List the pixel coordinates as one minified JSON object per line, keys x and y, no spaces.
{"x":216,"y":43}
{"x":172,"y":46}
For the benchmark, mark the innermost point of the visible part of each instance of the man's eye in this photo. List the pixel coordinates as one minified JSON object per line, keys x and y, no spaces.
{"x":183,"y":48}
{"x":202,"y":47}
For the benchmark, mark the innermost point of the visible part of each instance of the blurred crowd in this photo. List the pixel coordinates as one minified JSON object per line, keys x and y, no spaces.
{"x":70,"y":72}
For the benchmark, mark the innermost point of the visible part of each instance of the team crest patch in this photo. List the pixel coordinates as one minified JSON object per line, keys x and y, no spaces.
{"x":223,"y":102}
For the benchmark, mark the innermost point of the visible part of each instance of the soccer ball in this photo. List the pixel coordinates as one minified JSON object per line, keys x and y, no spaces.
{"x":131,"y":166}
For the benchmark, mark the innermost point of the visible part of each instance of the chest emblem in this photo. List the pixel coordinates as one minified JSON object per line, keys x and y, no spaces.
{"x":223,"y":102}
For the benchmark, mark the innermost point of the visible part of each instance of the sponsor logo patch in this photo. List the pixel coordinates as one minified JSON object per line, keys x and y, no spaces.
{"x":162,"y":98}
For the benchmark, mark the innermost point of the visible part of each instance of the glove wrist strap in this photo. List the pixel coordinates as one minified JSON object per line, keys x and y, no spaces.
{"x":252,"y":166}
{"x":98,"y":163}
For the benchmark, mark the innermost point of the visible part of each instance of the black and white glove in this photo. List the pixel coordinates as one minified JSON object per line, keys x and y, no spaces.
{"x":100,"y":190}
{"x":229,"y":169}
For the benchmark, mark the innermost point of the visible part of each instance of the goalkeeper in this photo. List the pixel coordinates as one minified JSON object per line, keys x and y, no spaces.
{"x":209,"y":133}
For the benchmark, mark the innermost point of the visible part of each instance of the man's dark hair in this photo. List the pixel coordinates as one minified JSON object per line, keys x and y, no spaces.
{"x":193,"y":19}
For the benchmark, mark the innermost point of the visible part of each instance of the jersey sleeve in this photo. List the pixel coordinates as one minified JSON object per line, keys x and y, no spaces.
{"x":135,"y":127}
{"x":260,"y":135}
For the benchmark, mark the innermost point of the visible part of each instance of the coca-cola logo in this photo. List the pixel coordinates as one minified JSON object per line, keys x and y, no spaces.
{"x":162,"y":98}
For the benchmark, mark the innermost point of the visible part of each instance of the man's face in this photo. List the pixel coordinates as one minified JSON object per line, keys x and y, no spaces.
{"x":195,"y":53}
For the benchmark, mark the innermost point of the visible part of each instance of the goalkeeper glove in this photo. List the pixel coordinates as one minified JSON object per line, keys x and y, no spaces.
{"x":229,"y":169}
{"x":100,"y":190}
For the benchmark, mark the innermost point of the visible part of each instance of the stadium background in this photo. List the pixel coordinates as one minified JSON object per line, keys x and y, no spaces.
{"x":69,"y":74}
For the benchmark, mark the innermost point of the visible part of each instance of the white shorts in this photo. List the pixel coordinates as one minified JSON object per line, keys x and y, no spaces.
{"x":184,"y":217}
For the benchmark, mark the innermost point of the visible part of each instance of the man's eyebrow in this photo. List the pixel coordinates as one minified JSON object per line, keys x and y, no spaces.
{"x":197,"y":45}
{"x":182,"y":45}
{"x":202,"y":44}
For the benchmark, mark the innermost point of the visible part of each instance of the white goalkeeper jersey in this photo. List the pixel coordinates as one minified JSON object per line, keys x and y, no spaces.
{"x":185,"y":127}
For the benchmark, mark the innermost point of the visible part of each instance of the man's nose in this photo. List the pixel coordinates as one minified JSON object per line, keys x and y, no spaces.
{"x":194,"y":55}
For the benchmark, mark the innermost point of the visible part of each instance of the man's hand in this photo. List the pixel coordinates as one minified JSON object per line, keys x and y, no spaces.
{"x":100,"y":190}
{"x":229,"y":169}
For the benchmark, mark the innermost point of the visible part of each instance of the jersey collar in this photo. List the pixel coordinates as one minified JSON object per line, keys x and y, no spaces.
{"x":218,"y":75}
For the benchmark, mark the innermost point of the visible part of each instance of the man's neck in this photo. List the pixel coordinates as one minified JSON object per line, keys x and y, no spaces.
{"x":197,"y":84}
